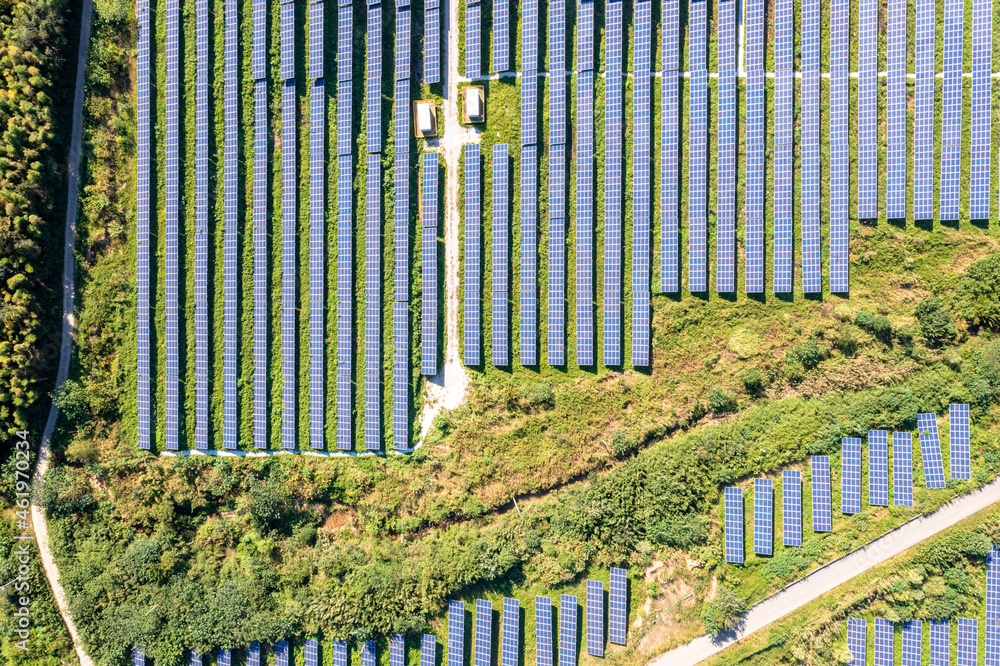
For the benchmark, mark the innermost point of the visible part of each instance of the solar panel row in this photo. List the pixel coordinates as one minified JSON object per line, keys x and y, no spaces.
{"x":568,"y":611}
{"x":982,"y":58}
{"x":642,"y":207}
{"x":557,"y":254}
{"x":697,"y":144}
{"x":725,"y":242}
{"x":201,"y":227}
{"x":287,"y":70}
{"x":783,"y":128}
{"x":258,"y":49}
{"x":429,"y":269}
{"x":812,"y":281}
{"x":511,"y":632}
{"x":261,"y":259}
{"x":373,"y":304}
{"x":254,"y":654}
{"x":912,"y":640}
{"x":473,"y":254}
{"x":734,"y":525}
{"x":473,"y":40}
{"x":939,"y":641}
{"x":595,"y":618}
{"x":754,"y":140}
{"x":857,"y":641}
{"x":878,"y":468}
{"x":317,"y":259}
{"x":867,"y":111}
{"x":930,"y":450}
{"x":670,"y":103}
{"x":501,"y":255}
{"x":618,"y":607}
{"x":311,"y":652}
{"x":585,"y":212}
{"x":172,"y":203}
{"x":143,"y":416}
{"x":885,"y":652}
{"x":839,"y":143}
{"x":316,"y":43}
{"x":432,"y":44}
{"x":850,"y":476}
{"x":528,"y":260}
{"x":968,"y":642}
{"x":923,"y":131}
{"x":763,"y":517}
{"x":428,"y":650}
{"x":483,"y":649}
{"x":289,"y":261}
{"x":282,"y":653}
{"x":543,"y":631}
{"x":397,"y":650}
{"x":373,"y":87}
{"x":231,"y":237}
{"x":958,"y":439}
{"x":501,"y":35}
{"x":902,"y":469}
{"x":368,"y":654}
{"x":821,"y":508}
{"x":456,"y":633}
{"x":345,"y":300}
{"x":138,"y":657}
{"x":951,"y":109}
{"x":613,"y":174}
{"x":401,"y":230}
{"x":896,"y":125}
{"x":791,"y":507}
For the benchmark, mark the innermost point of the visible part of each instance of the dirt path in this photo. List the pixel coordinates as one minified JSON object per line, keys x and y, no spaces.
{"x":446,"y":389}
{"x":38,"y":524}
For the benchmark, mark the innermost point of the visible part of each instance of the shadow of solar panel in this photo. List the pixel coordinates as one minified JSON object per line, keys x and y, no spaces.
{"x":484,"y":633}
{"x":734,"y":525}
{"x":850,"y":475}
{"x":511,"y":632}
{"x":568,"y":613}
{"x":967,"y":652}
{"x":618,"y":607}
{"x":958,"y":440}
{"x":456,"y":633}
{"x":595,"y":618}
{"x":902,"y":468}
{"x":543,"y":631}
{"x":282,"y":650}
{"x":857,"y":641}
{"x":939,"y":642}
{"x":763,"y":517}
{"x":791,"y":507}
{"x":930,"y":450}
{"x":885,"y":651}
{"x":821,"y":509}
{"x":428,"y":650}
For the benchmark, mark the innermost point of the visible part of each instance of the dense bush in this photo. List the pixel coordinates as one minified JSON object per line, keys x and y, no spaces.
{"x":977,"y":295}
{"x":723,"y":613}
{"x":752,"y":380}
{"x":722,"y":402}
{"x":936,"y":321}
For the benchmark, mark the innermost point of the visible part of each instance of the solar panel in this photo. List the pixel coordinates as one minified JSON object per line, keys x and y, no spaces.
{"x":311,"y":652}
{"x":317,"y":261}
{"x":231,"y":236}
{"x":734,"y":525}
{"x":783,"y":36}
{"x":839,"y":147}
{"x":432,"y":45}
{"x":613,"y":165}
{"x":429,"y":260}
{"x":618,"y":607}
{"x":584,"y":37}
{"x":261,"y":259}
{"x":373,"y":304}
{"x":368,"y":657}
{"x":821,"y":509}
{"x":992,"y":642}
{"x":287,"y":41}
{"x":857,"y":641}
{"x":992,"y":586}
{"x":940,"y":643}
{"x":968,"y":642}
{"x":951,"y":110}
{"x":473,"y":41}
{"x":316,"y":43}
{"x":850,"y":476}
{"x":473,"y":254}
{"x":595,"y":617}
{"x":344,"y":126}
{"x":529,"y":36}
{"x":258,"y":48}
{"x":585,"y":217}
{"x":397,"y":650}
{"x":912,"y":639}
{"x":254,"y":654}
{"x":812,"y":281}
{"x":557,"y":35}
{"x":289,"y":261}
{"x":501,"y":255}
{"x":345,"y":301}
{"x":958,"y":439}
{"x":642,"y":238}
{"x":725,"y":121}
{"x":501,"y":35}
{"x":754,"y":34}
{"x":791,"y":507}
{"x":930,"y":450}
{"x":456,"y":633}
{"x":428,"y":650}
{"x":511,"y":632}
{"x":867,"y":111}
{"x":201,"y":229}
{"x":528,"y":261}
{"x":374,"y":83}
{"x":568,"y":612}
{"x":345,"y":43}
{"x":783,"y":218}
{"x":484,"y":632}
{"x":878,"y":468}
{"x":896,"y":125}
{"x":339,"y":653}
{"x":529,"y":108}
{"x":172,"y":230}
{"x":697,"y":143}
{"x":902,"y":469}
{"x":282,"y":650}
{"x":982,"y":59}
{"x":763,"y":517}
{"x":143,"y":418}
{"x":923,"y":131}
{"x":885,"y":652}
{"x":543,"y":631}
{"x":557,"y":256}
{"x":403,"y":46}
{"x":754,"y":176}
{"x":138,"y":657}
{"x":669,"y":233}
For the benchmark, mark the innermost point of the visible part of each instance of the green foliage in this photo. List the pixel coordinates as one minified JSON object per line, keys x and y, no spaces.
{"x":864,"y":320}
{"x":936,"y":321}
{"x":879,"y":325}
{"x":807,"y":353}
{"x":722,"y":402}
{"x":540,"y":396}
{"x":623,"y":442}
{"x":846,"y":343}
{"x":723,"y":612}
{"x":73,"y":401}
{"x":986,"y":363}
{"x":64,"y":491}
{"x":752,"y":380}
{"x":977,"y":294}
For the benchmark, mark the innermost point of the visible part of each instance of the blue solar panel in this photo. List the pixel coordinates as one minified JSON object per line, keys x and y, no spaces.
{"x":839,"y":147}
{"x":557,"y":256}
{"x":529,"y":108}
{"x":912,"y":639}
{"x":231,"y":238}
{"x":261,"y":259}
{"x":885,"y":653}
{"x":484,"y":633}
{"x":585,"y":217}
{"x":754,"y":176}
{"x":613,"y":166}
{"x":397,"y":650}
{"x":201,"y":343}
{"x":138,"y":657}
{"x":374,"y":81}
{"x":783,"y":218}
{"x":958,"y":439}
{"x":345,"y":301}
{"x":968,"y":642}
{"x":734,"y":525}
{"x":528,"y":261}
{"x":812,"y":281}
{"x":373,"y":304}
{"x":543,"y":631}
{"x":867,"y":112}
{"x":568,"y":611}
{"x":432,"y":45}
{"x":282,"y":653}
{"x":642,"y":238}
{"x":754,"y":34}
{"x":529,"y":36}
{"x":821,"y":509}
{"x":791,"y":507}
{"x":473,"y":254}
{"x":403,"y":46}
{"x":923,"y":131}
{"x":725,"y":279}
{"x":287,"y":41}
{"x":316,"y":43}
{"x":951,"y":110}
{"x":258,"y":49}
{"x":992,"y":642}
{"x":511,"y":632}
{"x":289,"y":261}
{"x":878,"y":468}
{"x":763,"y":517}
{"x":172,"y":229}
{"x":473,"y":41}
{"x":595,"y":618}
{"x":344,"y":126}
{"x":940,"y":642}
{"x":697,"y":145}
{"x":339,"y":653}
{"x":557,"y":35}
{"x":501,"y":255}
{"x":428,"y":649}
{"x":584,"y":36}
{"x":857,"y":641}
{"x":311,"y":652}
{"x":501,"y":35}
{"x":317,"y":261}
{"x":429,"y":260}
{"x":143,"y":417}
{"x":902,"y":468}
{"x":669,"y":233}
{"x":618,"y":607}
{"x":992,"y":585}
{"x":368,"y":656}
{"x":930,"y":450}
{"x":456,"y":633}
{"x":345,"y":43}
{"x":783,"y":35}
{"x":850,"y":475}
{"x":897,"y":102}
{"x":254,"y":654}
{"x":982,"y":58}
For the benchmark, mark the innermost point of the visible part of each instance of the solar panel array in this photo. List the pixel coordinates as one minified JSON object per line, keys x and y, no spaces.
{"x":613,"y":173}
{"x":282,"y":650}
{"x":896,"y":118}
{"x":902,"y":469}
{"x":912,"y":639}
{"x":850,"y":475}
{"x":812,"y":280}
{"x":429,"y":260}
{"x":473,"y":253}
{"x":734,"y":525}
{"x":528,"y":260}
{"x":754,"y":140}
{"x":397,"y":650}
{"x":923,"y":131}
{"x":967,"y":651}
{"x":670,"y":129}
{"x":289,"y":260}
{"x":317,"y":260}
{"x":595,"y":618}
{"x":373,"y":88}
{"x":585,"y":201}
{"x":725,"y":121}
{"x":231,"y":237}
{"x":432,"y":42}
{"x":171,"y":243}
{"x":958,"y":441}
{"x":511,"y":632}
{"x":311,"y":652}
{"x":783,"y":126}
{"x":878,"y":468}
{"x":501,"y":256}
{"x":697,"y":145}
{"x":484,"y":633}
{"x":401,"y":231}
{"x":345,"y":300}
{"x":885,"y":652}
{"x":867,"y":111}
{"x":982,"y":59}
{"x":373,"y":304}
{"x":763,"y":517}
{"x":857,"y":641}
{"x":992,"y":587}
{"x":618,"y":607}
{"x":501,"y":35}
{"x":930,"y":450}
{"x":543,"y":631}
{"x":144,"y":423}
{"x":201,"y":227}
{"x":473,"y":40}
{"x":567,"y":630}
{"x":558,"y":90}
{"x":821,"y":508}
{"x":456,"y":633}
{"x":951,"y":110}
{"x":839,"y":146}
{"x":428,"y":650}
{"x":642,"y":205}
{"x":791,"y":507}
{"x":939,"y":641}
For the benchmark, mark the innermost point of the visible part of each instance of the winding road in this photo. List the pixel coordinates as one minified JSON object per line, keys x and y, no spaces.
{"x":38,"y":524}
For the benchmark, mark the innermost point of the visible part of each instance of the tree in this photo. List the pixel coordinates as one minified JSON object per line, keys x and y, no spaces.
{"x":936,"y":321}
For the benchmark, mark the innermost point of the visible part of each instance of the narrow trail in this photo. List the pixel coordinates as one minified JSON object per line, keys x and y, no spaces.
{"x":446,"y":389}
{"x":827,"y":577}
{"x":38,"y":523}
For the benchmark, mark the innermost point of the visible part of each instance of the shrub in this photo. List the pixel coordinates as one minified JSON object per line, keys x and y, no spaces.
{"x":864,"y":320}
{"x":723,"y":613}
{"x":977,"y":296}
{"x":752,"y":380}
{"x":882,"y":328}
{"x":540,"y":396}
{"x":986,"y":362}
{"x":936,"y":321}
{"x":623,"y":442}
{"x":142,"y":558}
{"x":73,"y":401}
{"x":722,"y":402}
{"x":64,"y":491}
{"x":846,"y":343}
{"x":807,"y":353}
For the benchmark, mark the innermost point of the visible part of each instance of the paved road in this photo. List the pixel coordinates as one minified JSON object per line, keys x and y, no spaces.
{"x":38,"y":524}
{"x":823,"y":580}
